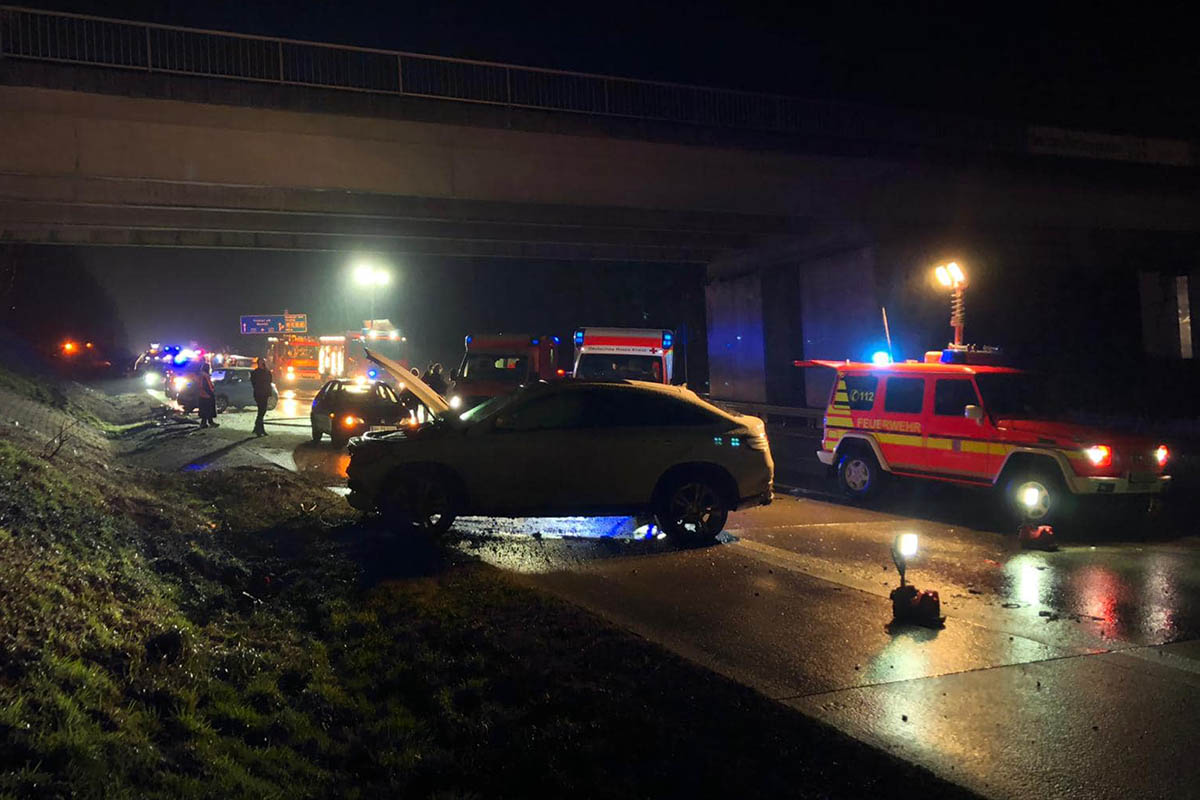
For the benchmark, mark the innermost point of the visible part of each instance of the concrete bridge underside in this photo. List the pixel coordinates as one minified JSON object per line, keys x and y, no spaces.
{"x":93,"y":168}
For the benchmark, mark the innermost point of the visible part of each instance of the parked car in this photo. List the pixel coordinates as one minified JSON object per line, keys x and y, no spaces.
{"x":570,"y":448}
{"x":347,"y":407}
{"x":234,"y":389}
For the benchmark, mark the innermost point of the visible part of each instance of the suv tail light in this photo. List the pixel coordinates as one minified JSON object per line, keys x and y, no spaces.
{"x":1100,"y":455}
{"x":1161,"y":455}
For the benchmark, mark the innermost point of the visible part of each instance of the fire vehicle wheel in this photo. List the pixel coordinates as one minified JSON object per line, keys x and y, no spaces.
{"x":858,"y":473}
{"x":421,"y":500}
{"x":316,"y":433}
{"x":1035,"y":496}
{"x":222,"y":404}
{"x":691,"y":509}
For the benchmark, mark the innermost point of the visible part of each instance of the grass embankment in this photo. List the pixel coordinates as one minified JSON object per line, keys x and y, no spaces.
{"x":212,"y":635}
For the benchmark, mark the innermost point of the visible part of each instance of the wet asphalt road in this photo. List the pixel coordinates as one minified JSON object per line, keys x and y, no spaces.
{"x":1073,"y":673}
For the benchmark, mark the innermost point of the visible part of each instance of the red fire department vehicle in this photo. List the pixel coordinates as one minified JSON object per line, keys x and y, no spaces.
{"x":641,"y":354}
{"x":953,"y":418}
{"x":497,"y":364}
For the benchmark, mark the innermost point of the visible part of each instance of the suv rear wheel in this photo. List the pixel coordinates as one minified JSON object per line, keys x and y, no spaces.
{"x":691,"y":508}
{"x":421,"y":499}
{"x":858,"y":472}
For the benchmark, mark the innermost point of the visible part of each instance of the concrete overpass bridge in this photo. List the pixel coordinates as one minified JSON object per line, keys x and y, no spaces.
{"x":122,"y":133}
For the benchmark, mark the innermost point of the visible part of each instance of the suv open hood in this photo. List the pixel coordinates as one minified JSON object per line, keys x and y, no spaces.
{"x":406,"y":380}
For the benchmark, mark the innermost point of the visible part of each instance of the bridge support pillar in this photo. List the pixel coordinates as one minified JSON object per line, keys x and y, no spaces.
{"x":769,"y":308}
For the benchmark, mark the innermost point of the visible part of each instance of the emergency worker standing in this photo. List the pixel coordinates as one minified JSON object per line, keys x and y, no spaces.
{"x":207,"y":399}
{"x":261,"y":379}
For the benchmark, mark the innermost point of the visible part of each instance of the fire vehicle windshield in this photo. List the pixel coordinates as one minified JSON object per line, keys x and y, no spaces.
{"x":303,"y":351}
{"x":492,"y":367}
{"x":1016,"y":395}
{"x":600,"y":366}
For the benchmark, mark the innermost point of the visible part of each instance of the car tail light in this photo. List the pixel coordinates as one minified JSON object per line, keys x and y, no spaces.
{"x":1100,"y":455}
{"x":1161,"y":455}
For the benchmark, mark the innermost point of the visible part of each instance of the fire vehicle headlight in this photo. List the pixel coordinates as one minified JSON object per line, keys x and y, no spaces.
{"x":1099,"y":454}
{"x":455,"y":401}
{"x":180,"y":384}
{"x":1161,"y":455}
{"x":151,"y":378}
{"x":1031,"y":496}
{"x":350,"y":421}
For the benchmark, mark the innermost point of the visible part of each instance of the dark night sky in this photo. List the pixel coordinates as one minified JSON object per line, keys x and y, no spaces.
{"x":170,"y":295}
{"x":1106,"y":65}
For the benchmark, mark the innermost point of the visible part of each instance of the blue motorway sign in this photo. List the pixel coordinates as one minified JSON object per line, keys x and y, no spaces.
{"x":275,"y":323}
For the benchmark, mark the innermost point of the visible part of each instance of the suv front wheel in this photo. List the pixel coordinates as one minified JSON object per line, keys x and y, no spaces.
{"x":421,"y":499}
{"x":1035,"y":496}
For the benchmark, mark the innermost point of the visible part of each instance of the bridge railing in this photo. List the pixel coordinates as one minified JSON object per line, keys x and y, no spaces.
{"x":81,"y":39}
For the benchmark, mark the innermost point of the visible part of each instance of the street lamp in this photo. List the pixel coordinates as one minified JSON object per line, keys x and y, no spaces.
{"x":371,"y":278}
{"x":952,"y":277}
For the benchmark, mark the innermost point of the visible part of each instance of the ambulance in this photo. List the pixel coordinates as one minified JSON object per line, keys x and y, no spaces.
{"x":639,"y":354}
{"x":960,"y":416}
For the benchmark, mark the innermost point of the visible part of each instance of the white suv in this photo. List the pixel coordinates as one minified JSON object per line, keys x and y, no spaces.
{"x":570,"y":448}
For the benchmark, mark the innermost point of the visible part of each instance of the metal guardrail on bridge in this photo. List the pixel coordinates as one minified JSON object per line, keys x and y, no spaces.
{"x":88,"y":40}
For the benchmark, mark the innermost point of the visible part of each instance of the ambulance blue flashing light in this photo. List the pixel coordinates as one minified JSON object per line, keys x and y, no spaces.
{"x":881,"y":358}
{"x":554,"y":339}
{"x":535,"y":342}
{"x":578,"y":338}
{"x":668,"y":340}
{"x":372,"y":373}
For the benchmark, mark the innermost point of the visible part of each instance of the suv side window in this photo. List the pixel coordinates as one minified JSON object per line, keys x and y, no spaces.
{"x":952,"y":395}
{"x":904,"y":395}
{"x":628,"y":408}
{"x":560,"y":410}
{"x":860,"y":389}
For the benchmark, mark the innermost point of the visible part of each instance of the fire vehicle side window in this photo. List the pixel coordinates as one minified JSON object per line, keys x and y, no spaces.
{"x":904,"y":395}
{"x":860,"y":389}
{"x":951,"y":396}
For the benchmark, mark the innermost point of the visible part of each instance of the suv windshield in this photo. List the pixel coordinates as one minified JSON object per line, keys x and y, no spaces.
{"x":1016,"y":395}
{"x":483,"y":410}
{"x":493,"y":367}
{"x":598,"y":366}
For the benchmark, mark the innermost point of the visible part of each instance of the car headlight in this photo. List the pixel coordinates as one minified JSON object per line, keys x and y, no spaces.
{"x":349,"y":421}
{"x":180,"y":384}
{"x":455,"y":401}
{"x":151,"y":378}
